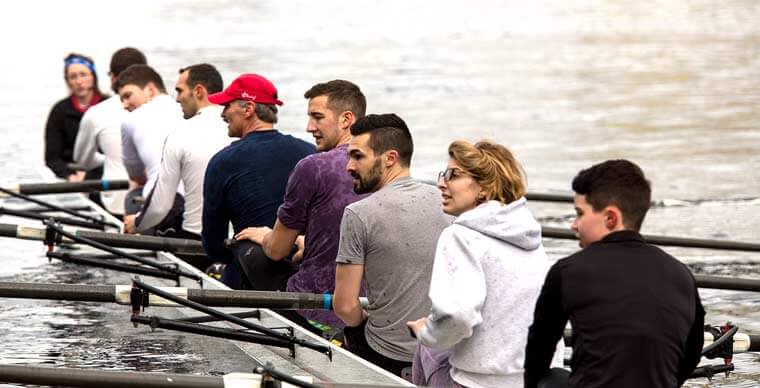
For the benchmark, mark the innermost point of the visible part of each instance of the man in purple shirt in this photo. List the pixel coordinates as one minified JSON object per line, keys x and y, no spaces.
{"x":317,"y":192}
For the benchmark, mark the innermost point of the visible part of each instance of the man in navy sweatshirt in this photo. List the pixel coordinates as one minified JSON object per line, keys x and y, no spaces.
{"x":245,"y":182}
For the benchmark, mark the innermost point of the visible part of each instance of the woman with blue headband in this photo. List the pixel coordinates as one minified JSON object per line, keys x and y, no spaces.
{"x":63,"y":122}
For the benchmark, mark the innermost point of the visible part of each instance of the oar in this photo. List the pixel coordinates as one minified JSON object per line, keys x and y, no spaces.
{"x":726,"y":283}
{"x":742,"y":342}
{"x":55,"y":207}
{"x":37,"y":209}
{"x":116,"y":240}
{"x":546,"y":197}
{"x":561,"y":233}
{"x":67,"y":187}
{"x":89,"y":378}
{"x":120,"y":294}
{"x":57,"y":229}
{"x":42,"y":217}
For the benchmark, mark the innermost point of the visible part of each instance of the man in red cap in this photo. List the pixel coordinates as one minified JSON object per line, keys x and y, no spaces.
{"x":245,"y":182}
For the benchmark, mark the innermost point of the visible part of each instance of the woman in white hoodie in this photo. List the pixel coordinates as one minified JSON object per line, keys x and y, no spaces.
{"x":488,"y":271}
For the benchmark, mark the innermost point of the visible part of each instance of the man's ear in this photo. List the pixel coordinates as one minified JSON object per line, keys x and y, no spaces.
{"x":613,"y":218}
{"x":152,"y":90}
{"x":346,"y":120}
{"x":250,"y":109}
{"x":199,"y":92}
{"x":391,"y":158}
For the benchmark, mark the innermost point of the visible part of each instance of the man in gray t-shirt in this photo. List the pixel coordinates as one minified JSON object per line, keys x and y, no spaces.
{"x":387,"y":241}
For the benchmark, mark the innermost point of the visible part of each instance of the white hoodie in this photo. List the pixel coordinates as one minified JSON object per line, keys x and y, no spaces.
{"x":488,"y":271}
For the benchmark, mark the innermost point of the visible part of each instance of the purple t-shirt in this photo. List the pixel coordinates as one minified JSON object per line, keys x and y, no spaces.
{"x":318,"y":190}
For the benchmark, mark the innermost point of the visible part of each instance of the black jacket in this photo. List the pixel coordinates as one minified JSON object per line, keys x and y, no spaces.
{"x":635,"y":312}
{"x":60,"y":134}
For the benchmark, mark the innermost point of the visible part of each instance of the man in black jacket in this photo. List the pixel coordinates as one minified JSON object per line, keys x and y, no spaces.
{"x":634,"y":309}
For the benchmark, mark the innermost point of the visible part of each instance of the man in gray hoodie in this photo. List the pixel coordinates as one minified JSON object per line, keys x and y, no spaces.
{"x":387,"y":242}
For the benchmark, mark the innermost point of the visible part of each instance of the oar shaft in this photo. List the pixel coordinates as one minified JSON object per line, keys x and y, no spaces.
{"x":90,"y":378}
{"x":152,"y":243}
{"x":113,"y":265}
{"x":545,"y":197}
{"x":70,"y":377}
{"x":193,"y":328}
{"x":726,"y":283}
{"x":50,"y":206}
{"x":126,"y":255}
{"x":55,"y":291}
{"x":265,"y":299}
{"x":115,"y":240}
{"x":72,"y":187}
{"x":42,"y":217}
{"x":552,"y":232}
{"x":213,"y":298}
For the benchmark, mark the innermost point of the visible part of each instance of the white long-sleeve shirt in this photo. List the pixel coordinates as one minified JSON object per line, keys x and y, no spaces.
{"x":143,"y":133}
{"x":98,"y":143}
{"x":487,"y":275}
{"x":185,"y":157}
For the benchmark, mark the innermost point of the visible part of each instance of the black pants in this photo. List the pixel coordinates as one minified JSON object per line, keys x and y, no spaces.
{"x":356,"y":342}
{"x":170,"y":226}
{"x":556,"y":378}
{"x":95,"y":173}
{"x":259,"y":272}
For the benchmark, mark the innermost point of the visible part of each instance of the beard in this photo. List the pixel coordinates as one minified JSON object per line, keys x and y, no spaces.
{"x":371,"y":182}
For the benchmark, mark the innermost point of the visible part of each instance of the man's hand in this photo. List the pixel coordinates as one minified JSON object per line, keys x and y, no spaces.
{"x":417,"y":326}
{"x":129,"y":224}
{"x":255,"y":234}
{"x":76,"y":177}
{"x":298,"y":256}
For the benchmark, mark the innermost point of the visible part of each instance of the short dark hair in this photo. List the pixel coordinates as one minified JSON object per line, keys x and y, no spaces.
{"x":341,"y":95}
{"x":139,"y":75}
{"x":616,"y":182}
{"x":124,"y":58}
{"x":387,"y":131}
{"x":204,"y":74}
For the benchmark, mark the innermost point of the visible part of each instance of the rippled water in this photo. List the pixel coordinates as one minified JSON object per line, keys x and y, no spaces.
{"x":671,"y":84}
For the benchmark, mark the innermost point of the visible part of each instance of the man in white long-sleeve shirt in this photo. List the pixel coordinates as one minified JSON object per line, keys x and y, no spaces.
{"x":187,"y":152}
{"x":153,"y":116}
{"x":98,"y":141}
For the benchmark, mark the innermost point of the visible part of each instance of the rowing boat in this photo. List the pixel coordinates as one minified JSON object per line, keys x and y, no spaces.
{"x":217,"y":356}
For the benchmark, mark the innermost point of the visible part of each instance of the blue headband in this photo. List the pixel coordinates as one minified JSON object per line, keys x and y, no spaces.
{"x":81,"y":61}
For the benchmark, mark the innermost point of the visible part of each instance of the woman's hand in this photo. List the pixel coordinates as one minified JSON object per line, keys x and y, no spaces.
{"x":255,"y":234}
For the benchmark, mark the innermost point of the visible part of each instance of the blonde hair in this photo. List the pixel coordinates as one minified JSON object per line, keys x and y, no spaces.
{"x":494,"y":168}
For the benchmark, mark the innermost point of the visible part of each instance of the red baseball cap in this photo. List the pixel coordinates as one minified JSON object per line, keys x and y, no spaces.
{"x":249,"y":87}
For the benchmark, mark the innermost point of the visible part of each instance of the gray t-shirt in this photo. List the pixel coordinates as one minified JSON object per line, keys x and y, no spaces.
{"x":393,"y":233}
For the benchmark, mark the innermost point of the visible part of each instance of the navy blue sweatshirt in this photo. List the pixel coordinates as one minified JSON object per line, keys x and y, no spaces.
{"x":245,"y":184}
